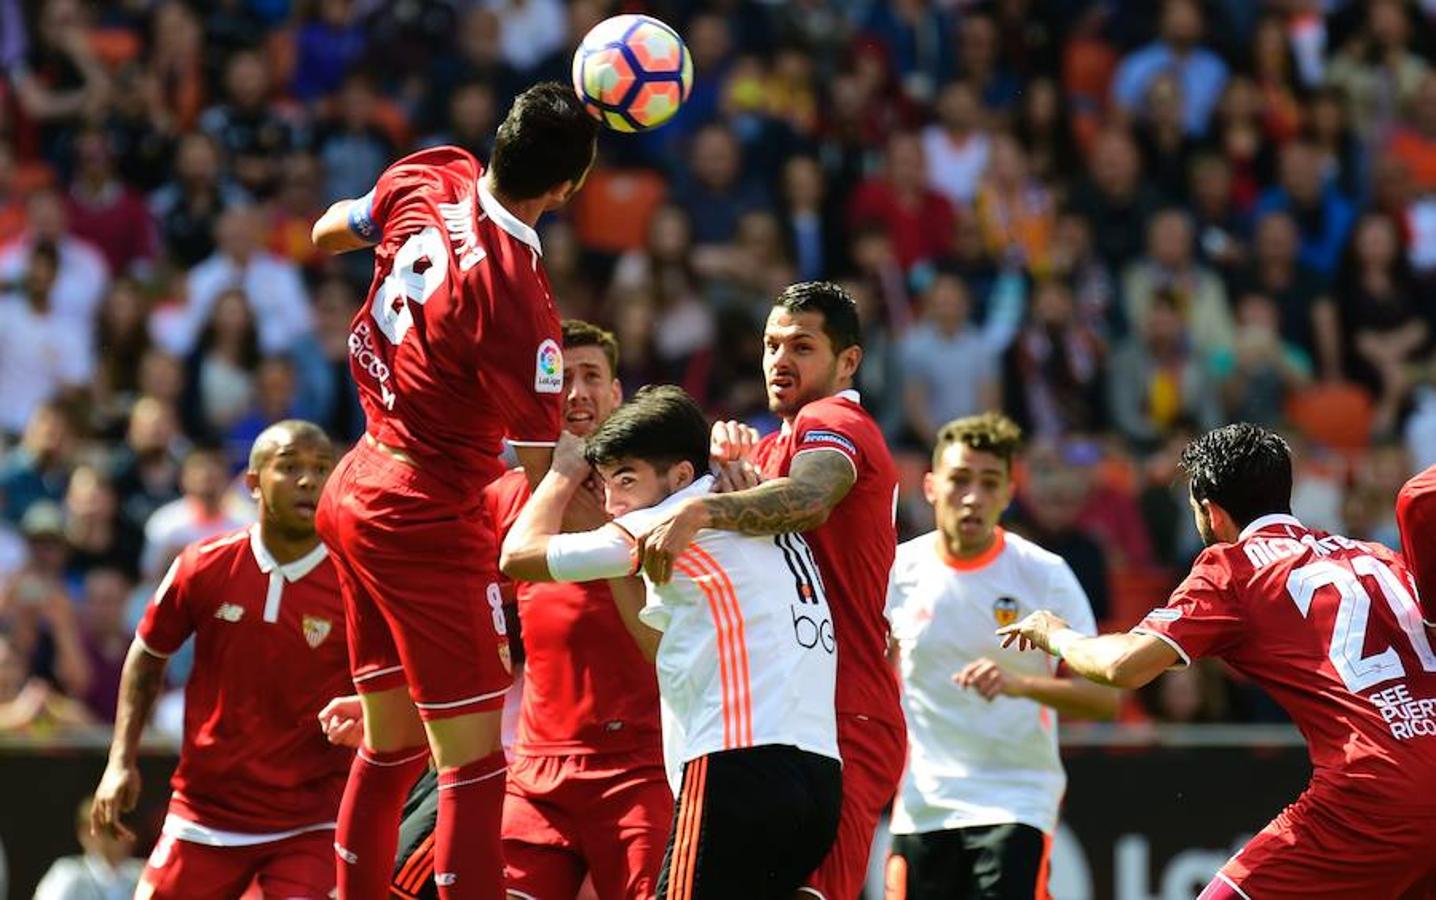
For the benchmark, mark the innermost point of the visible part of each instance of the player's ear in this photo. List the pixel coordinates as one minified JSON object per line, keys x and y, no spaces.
{"x":929,"y":488}
{"x":616,"y":387}
{"x":251,"y":482}
{"x":849,"y":360}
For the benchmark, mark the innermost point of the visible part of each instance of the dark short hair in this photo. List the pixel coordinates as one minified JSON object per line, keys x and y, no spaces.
{"x":578,"y":333}
{"x":989,"y":432}
{"x":546,"y":139}
{"x":840,"y":313}
{"x":660,"y":425}
{"x":1243,"y":468}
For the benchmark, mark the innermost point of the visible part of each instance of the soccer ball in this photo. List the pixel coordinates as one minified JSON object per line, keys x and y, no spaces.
{"x":632,"y":72}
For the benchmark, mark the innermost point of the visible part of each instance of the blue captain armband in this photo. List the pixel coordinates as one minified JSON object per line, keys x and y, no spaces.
{"x":361,"y":219}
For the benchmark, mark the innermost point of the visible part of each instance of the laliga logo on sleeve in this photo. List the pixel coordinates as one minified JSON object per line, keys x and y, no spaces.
{"x":548,"y":371}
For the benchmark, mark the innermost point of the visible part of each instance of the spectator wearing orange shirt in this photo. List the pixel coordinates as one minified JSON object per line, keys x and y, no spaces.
{"x":1414,"y":143}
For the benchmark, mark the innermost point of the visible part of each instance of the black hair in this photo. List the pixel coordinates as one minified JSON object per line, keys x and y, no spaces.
{"x":547,"y":138}
{"x":660,"y":425}
{"x":840,"y":313}
{"x":578,"y":333}
{"x":1243,"y":468}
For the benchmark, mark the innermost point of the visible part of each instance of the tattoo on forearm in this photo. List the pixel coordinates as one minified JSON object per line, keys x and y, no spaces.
{"x":817,"y":482}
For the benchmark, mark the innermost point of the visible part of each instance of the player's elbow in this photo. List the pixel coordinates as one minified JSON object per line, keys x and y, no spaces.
{"x":524,"y":563}
{"x":331,"y":232}
{"x":1127,"y":674}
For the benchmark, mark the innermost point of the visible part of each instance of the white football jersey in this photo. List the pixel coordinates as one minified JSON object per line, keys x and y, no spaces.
{"x":748,"y":655}
{"x":973,"y":762}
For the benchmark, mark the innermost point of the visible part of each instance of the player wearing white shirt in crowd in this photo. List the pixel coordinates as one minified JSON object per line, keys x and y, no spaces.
{"x":744,"y":645}
{"x":978,"y":803}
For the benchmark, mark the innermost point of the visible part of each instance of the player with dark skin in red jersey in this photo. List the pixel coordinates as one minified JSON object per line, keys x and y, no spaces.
{"x":456,"y":352}
{"x":830,"y":476}
{"x":257,"y":786}
{"x":1332,"y":629}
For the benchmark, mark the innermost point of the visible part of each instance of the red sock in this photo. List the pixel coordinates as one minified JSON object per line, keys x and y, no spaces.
{"x":368,"y":834}
{"x":468,"y":858}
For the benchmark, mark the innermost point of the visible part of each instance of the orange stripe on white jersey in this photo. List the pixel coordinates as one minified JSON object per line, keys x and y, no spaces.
{"x":743,"y":678}
{"x":726,"y":674}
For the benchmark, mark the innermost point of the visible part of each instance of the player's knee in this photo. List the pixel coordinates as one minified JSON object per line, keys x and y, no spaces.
{"x":391,"y":721}
{"x":461,"y":740}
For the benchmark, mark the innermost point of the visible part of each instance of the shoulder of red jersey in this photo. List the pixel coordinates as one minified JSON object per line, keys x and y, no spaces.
{"x":216,"y":551}
{"x":838,"y":423}
{"x":444,"y":174}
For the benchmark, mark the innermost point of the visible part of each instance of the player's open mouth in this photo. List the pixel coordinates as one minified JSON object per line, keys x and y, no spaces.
{"x":577,"y":417}
{"x":782,"y":383}
{"x":305,"y":507}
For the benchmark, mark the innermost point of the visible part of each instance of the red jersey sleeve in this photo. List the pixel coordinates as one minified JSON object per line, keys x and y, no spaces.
{"x":830,"y":425}
{"x":1202,"y":617}
{"x":525,"y":373}
{"x":400,"y":204}
{"x":1416,"y":518}
{"x":169,"y":618}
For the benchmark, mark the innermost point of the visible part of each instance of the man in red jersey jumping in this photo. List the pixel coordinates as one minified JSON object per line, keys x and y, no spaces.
{"x":257,"y":787}
{"x":456,"y":351}
{"x":1329,"y":627}
{"x":832,"y":478}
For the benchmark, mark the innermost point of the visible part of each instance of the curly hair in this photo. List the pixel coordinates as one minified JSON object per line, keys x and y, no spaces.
{"x":1243,"y":468}
{"x":989,"y":432}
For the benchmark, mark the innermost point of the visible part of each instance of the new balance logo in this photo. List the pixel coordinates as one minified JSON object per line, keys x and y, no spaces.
{"x":444,"y":879}
{"x":229,"y":612}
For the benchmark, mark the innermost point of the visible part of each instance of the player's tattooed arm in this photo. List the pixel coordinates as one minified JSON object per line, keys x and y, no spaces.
{"x":141,"y":681}
{"x":817,"y":482}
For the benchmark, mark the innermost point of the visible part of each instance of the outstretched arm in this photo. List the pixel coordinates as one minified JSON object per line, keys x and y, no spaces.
{"x":1125,"y":661}
{"x":347,"y":225}
{"x":817,"y":481}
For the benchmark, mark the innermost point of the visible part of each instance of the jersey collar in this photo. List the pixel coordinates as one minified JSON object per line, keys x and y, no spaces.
{"x":1265,"y":522}
{"x":291,"y":571}
{"x":982,"y":561}
{"x":849,"y":394}
{"x":507,"y":220}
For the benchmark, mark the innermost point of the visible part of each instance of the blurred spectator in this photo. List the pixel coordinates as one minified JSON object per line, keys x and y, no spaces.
{"x":1015,"y":212}
{"x":105,"y":212}
{"x":1200,"y":72}
{"x":956,"y":145}
{"x":529,"y":31}
{"x":1308,"y":317}
{"x":122,"y":338}
{"x":175,"y":64}
{"x":470,"y":120}
{"x":1343,"y":155}
{"x":106,"y":870}
{"x":475,"y":56}
{"x":272,"y":287}
{"x":1074,"y":259}
{"x":1114,"y":199}
{"x":1048,"y":508}
{"x":811,"y":226}
{"x":99,"y":537}
{"x":39,"y":468}
{"x":950,"y":365}
{"x":1218,"y":224}
{"x":201,"y":512}
{"x":275,"y":399}
{"x":1044,"y":126}
{"x":1167,"y":147}
{"x":12,"y":200}
{"x":1377,"y":69}
{"x":59,"y":81}
{"x":1156,"y":381}
{"x":1274,"y":71}
{"x":1323,"y":216}
{"x":1237,"y":136}
{"x":714,"y":191}
{"x":1170,"y":270}
{"x":147,"y":467}
{"x":83,"y":275}
{"x":979,"y":62}
{"x":1386,"y":326}
{"x":353,"y":148}
{"x":32,"y":705}
{"x":253,"y":134}
{"x":912,"y":32}
{"x":106,"y":636}
{"x":1188,"y":696}
{"x":43,"y":356}
{"x":220,"y":373}
{"x":36,"y":605}
{"x":327,"y":393}
{"x":325,"y":47}
{"x":1259,"y":372}
{"x":918,"y":220}
{"x":1054,"y":371}
{"x":1414,"y":142}
{"x":188,"y":207}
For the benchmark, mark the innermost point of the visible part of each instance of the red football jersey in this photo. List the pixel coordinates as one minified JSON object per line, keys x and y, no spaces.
{"x":1330,"y":628}
{"x":587,"y":688}
{"x":458,"y":345}
{"x":1416,"y":518}
{"x":855,"y":547}
{"x":269,"y":653}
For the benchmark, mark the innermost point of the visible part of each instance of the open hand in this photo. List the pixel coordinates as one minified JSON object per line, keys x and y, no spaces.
{"x":1034,"y":631}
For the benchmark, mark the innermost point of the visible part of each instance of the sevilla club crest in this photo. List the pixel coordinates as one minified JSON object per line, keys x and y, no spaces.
{"x":316,"y":630}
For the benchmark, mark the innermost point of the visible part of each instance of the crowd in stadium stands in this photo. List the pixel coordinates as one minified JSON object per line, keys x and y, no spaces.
{"x":1118,"y":220}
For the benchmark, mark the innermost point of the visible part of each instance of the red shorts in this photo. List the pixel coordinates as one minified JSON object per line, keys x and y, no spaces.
{"x":605,"y":815}
{"x":295,"y":868}
{"x":419,"y":574}
{"x":874,"y":754}
{"x":1311,"y":852}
